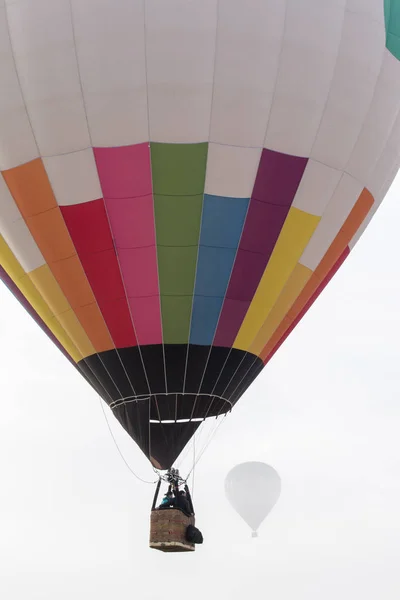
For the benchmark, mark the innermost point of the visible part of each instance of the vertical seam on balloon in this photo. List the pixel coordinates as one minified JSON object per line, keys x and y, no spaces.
{"x":153,"y":194}
{"x":278,"y":68}
{"x":202,"y":207}
{"x":155,"y":232}
{"x":19,"y":79}
{"x":330,"y":83}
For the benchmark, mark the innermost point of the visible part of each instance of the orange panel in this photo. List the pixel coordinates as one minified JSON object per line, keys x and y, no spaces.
{"x":51,"y":235}
{"x":73,"y":281}
{"x":93,"y":323}
{"x":30,"y":188}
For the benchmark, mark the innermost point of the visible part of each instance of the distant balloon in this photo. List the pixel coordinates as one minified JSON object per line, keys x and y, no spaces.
{"x":253,"y":488}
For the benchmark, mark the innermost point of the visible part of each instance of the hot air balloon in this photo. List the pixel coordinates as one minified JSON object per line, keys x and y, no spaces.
{"x":179,"y":181}
{"x":253,"y":489}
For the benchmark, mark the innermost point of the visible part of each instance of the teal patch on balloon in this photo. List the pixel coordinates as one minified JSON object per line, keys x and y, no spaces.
{"x":392,"y":24}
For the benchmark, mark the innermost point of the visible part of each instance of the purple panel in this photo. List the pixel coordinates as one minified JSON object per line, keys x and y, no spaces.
{"x":234,"y":312}
{"x":249,"y":267}
{"x":263,"y":225}
{"x":278,"y":177}
{"x":277,"y":180}
{"x":8,"y":282}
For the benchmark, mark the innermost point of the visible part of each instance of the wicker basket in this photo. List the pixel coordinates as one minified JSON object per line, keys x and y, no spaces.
{"x":168,"y":530}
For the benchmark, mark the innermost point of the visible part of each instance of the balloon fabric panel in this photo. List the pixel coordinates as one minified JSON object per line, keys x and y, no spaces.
{"x":181,"y":180}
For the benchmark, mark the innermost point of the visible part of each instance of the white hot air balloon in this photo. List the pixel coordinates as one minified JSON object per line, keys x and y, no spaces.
{"x":253,"y":488}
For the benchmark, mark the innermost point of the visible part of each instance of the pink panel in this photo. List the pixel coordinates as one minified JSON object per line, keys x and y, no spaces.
{"x":132,"y":221}
{"x":125,"y":177}
{"x":139,"y":271}
{"x":147,"y":318}
{"x":124,"y":172}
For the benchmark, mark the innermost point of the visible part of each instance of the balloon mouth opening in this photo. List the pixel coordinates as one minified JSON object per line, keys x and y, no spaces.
{"x":254,"y":534}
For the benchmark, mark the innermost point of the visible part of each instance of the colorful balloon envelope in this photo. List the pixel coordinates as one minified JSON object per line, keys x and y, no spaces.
{"x":181,"y":178}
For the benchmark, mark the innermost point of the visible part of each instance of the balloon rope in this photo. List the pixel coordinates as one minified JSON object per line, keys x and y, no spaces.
{"x":118,"y":448}
{"x":209,"y":440}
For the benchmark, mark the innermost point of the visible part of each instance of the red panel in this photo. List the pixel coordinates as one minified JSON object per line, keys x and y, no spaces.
{"x":89,"y":229}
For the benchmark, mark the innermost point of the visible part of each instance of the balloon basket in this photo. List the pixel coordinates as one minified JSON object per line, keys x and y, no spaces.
{"x":168,"y":530}
{"x":254,"y":534}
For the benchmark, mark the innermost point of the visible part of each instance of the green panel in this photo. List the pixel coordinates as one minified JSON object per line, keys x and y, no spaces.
{"x":178,"y":169}
{"x":178,"y":220}
{"x":392,"y":23}
{"x":176,"y":312}
{"x":176,"y":270}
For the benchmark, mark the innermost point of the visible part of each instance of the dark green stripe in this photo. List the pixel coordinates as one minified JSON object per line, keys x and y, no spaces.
{"x":178,"y":184}
{"x":178,"y":169}
{"x":392,"y":24}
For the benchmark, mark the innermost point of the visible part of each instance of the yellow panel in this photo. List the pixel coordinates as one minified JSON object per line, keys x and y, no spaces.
{"x":9,"y":262}
{"x":287,"y":298}
{"x":47,"y":284}
{"x":28,"y":289}
{"x":294,"y":237}
{"x":72,"y":326}
{"x":50,"y":290}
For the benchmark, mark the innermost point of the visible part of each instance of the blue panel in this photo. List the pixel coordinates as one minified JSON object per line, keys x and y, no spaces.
{"x":221,"y":228}
{"x":204,"y":319}
{"x":222,"y":221}
{"x":214,"y":266}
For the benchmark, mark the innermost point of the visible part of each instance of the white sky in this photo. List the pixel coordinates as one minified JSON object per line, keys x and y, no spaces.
{"x":325,"y":414}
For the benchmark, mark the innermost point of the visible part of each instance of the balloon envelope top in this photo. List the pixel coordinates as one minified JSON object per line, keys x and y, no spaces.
{"x":180,"y":180}
{"x":253,"y":488}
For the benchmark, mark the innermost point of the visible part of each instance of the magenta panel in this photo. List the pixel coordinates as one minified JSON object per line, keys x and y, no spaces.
{"x":147,"y":318}
{"x":132,"y":221}
{"x":139,"y":268}
{"x":124,"y":172}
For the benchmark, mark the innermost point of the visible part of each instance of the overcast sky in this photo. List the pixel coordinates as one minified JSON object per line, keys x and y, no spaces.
{"x":325,"y":413}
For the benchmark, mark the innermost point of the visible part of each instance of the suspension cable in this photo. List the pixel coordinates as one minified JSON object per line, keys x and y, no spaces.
{"x":119,"y":450}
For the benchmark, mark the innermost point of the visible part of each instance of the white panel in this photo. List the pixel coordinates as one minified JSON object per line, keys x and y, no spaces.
{"x":310,"y":48}
{"x":352,"y":89}
{"x":74,"y":177}
{"x":43,"y":42}
{"x":316,"y":188}
{"x":110,"y":46}
{"x":379,"y":122}
{"x":180,"y":36}
{"x":247,"y":56}
{"x":16,"y":233}
{"x":231,"y":171}
{"x":17,"y":144}
{"x":388,"y":163}
{"x":372,"y":9}
{"x":337,"y":211}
